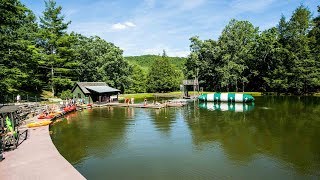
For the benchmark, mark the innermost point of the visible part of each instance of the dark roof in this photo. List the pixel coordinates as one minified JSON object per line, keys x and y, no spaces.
{"x":82,"y":86}
{"x":8,"y":109}
{"x":99,"y":87}
{"x":102,"y":89}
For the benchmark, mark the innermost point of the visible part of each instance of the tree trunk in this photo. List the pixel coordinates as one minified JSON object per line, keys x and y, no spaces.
{"x":242,"y":86}
{"x":52,"y":88}
{"x":236,"y":85}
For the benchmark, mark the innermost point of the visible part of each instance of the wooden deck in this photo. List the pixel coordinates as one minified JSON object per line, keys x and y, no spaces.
{"x":150,"y":106}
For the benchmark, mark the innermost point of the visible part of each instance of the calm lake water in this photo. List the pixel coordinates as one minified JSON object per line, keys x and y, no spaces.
{"x":274,"y":138}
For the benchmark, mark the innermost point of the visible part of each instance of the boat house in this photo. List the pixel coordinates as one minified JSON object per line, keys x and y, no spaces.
{"x":94,"y":92}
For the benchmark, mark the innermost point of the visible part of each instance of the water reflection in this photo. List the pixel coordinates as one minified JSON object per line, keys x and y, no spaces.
{"x":284,"y":128}
{"x":163,"y":119}
{"x":91,"y":133}
{"x":227,"y":106}
{"x":278,"y":134}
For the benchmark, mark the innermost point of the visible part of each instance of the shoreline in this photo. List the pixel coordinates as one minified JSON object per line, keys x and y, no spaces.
{"x":37,"y":158}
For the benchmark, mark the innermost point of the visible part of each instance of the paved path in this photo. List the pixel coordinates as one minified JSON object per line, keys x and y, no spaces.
{"x":37,"y":158}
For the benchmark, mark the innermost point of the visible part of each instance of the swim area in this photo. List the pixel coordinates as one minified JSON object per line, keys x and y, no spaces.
{"x":274,"y":137}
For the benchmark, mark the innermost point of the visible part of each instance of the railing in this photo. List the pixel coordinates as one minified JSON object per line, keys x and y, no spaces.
{"x":190,"y":82}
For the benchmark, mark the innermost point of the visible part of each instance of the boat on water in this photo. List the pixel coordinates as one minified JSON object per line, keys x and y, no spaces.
{"x":226,"y":97}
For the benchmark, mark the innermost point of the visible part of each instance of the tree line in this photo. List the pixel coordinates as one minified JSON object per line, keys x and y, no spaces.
{"x":42,"y":55}
{"x":282,"y":59}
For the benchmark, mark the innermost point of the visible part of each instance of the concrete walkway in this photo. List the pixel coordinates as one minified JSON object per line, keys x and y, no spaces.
{"x":37,"y":158}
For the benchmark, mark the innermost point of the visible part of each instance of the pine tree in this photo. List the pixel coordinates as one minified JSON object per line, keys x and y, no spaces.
{"x":54,"y":42}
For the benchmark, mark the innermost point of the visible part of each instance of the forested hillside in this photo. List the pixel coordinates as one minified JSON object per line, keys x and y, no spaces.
{"x":146,"y":61}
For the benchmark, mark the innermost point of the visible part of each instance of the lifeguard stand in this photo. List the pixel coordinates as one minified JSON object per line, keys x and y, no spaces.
{"x":187,"y":85}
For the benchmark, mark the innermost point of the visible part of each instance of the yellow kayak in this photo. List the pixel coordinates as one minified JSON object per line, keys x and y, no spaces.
{"x":38,"y":124}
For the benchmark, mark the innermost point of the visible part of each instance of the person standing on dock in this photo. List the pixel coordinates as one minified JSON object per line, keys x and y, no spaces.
{"x":145,"y":101}
{"x":132,"y":100}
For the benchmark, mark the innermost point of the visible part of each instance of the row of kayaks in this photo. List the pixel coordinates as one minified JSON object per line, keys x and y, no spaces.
{"x":226,"y":97}
{"x":46,"y":118}
{"x":57,"y":113}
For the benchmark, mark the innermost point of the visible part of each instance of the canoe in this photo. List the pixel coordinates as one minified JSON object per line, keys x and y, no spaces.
{"x":226,"y":97}
{"x":38,"y":124}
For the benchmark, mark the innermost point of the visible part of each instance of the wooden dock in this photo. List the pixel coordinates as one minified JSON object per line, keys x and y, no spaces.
{"x":150,"y":106}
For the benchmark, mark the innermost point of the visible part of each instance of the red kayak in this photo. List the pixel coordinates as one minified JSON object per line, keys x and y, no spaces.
{"x":43,"y":116}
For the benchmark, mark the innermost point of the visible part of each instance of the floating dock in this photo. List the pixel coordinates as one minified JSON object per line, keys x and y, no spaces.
{"x":150,"y":106}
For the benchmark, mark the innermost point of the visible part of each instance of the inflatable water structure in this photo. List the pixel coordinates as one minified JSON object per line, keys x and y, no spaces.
{"x":226,"y":97}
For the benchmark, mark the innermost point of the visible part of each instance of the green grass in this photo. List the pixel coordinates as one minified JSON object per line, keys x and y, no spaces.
{"x":317,"y":94}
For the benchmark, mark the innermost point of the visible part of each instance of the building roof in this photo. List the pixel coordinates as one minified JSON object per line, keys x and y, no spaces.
{"x":99,"y":87}
{"x":82,"y":86}
{"x":102,"y":89}
{"x":8,"y":109}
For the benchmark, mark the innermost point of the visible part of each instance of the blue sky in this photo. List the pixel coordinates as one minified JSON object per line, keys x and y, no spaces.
{"x":149,"y":26}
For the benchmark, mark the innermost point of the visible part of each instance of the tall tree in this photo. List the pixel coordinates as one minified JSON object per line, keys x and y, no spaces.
{"x":54,"y":44}
{"x":314,"y":44}
{"x":137,"y":82}
{"x":17,"y":53}
{"x":303,"y":69}
{"x":236,"y":43}
{"x":162,"y":76}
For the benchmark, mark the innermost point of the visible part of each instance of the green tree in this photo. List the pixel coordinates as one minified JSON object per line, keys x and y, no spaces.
{"x":17,"y":50}
{"x":100,"y":60}
{"x":162,"y":76}
{"x":202,"y":63}
{"x":314,"y":43}
{"x":137,"y":80}
{"x":303,"y":72}
{"x":237,"y":44}
{"x":54,"y":43}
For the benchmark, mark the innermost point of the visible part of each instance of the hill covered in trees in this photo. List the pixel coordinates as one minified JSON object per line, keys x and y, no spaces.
{"x":146,"y":61}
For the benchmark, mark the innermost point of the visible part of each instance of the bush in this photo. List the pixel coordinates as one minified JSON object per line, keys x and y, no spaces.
{"x":66,"y":94}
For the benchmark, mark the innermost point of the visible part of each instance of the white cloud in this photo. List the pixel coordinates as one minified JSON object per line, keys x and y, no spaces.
{"x":118,"y":26}
{"x":121,"y":26}
{"x":129,"y":24}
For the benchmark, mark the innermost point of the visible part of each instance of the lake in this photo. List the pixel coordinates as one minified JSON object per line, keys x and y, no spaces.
{"x":273,"y":138}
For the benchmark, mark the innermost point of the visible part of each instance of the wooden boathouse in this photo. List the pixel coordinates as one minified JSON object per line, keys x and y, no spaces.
{"x":94,"y":92}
